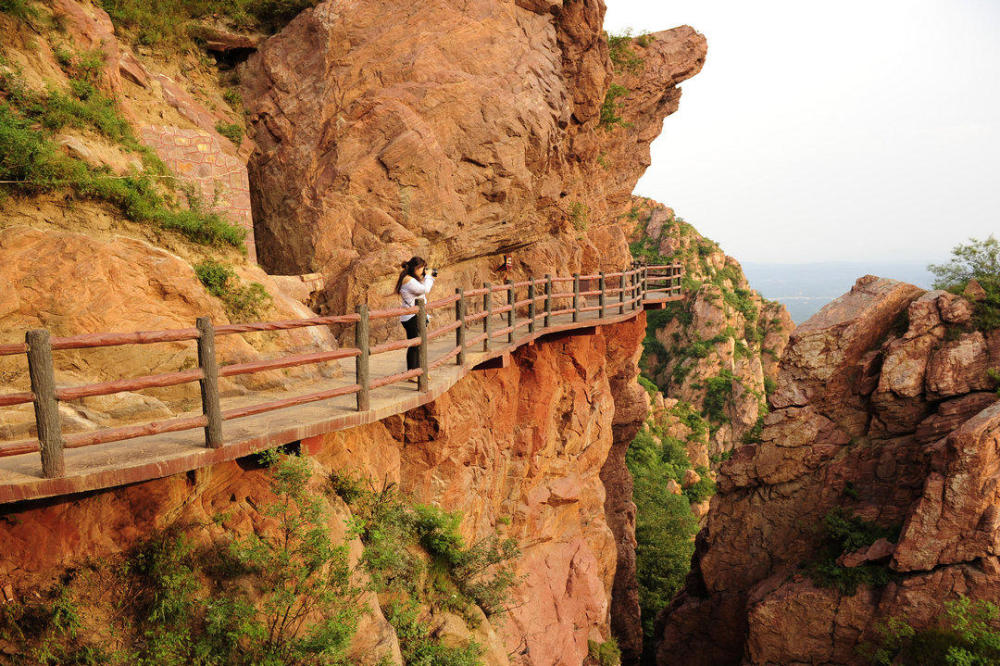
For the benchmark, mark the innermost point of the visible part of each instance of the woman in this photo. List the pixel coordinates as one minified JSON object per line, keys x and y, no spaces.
{"x":414,"y":282}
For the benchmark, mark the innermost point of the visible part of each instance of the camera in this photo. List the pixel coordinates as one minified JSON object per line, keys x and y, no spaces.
{"x":434,"y":272}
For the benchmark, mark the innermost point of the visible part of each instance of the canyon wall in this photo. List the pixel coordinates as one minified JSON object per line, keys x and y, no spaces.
{"x":716,"y":351}
{"x":482,"y":137}
{"x":520,"y":450}
{"x":885,"y":423}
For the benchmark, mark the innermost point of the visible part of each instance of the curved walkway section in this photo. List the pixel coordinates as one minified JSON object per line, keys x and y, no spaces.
{"x":374,"y":384}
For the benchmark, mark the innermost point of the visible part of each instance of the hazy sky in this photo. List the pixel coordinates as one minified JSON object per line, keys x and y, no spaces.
{"x":853,"y":130}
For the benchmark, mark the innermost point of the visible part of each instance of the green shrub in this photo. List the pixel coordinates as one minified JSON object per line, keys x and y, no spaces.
{"x":417,"y":644}
{"x":283,"y":596}
{"x":718,"y":396}
{"x":649,"y":386}
{"x":578,"y":215}
{"x":979,"y":260}
{"x":22,"y":9}
{"x":606,"y":653}
{"x":965,"y":634}
{"x":664,"y":522}
{"x":30,"y":157}
{"x":611,"y":107}
{"x":242,"y":302}
{"x":232,"y":131}
{"x":168,"y":22}
{"x":233,"y":98}
{"x":480,"y":574}
{"x":846,"y":533}
{"x":623,"y":58}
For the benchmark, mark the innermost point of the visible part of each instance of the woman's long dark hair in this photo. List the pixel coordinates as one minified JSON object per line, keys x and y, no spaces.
{"x":409,"y":268}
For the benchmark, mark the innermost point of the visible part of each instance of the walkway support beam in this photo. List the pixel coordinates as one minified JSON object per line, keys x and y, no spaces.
{"x":362,"y":368}
{"x":43,"y":385}
{"x":422,"y":384}
{"x":209,"y":383}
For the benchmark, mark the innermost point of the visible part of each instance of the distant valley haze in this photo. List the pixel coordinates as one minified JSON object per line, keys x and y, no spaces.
{"x":823,"y":142}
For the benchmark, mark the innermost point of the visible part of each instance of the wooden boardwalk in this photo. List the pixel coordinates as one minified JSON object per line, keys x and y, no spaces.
{"x":117,"y":463}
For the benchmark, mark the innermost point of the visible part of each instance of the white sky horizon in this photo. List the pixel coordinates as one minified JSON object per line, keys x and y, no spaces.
{"x":860,"y":131}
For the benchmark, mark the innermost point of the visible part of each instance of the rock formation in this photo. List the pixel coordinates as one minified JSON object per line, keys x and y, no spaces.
{"x":521,"y":450}
{"x":460,"y":132}
{"x":884,"y":417}
{"x":480,"y":138}
{"x":718,"y":349}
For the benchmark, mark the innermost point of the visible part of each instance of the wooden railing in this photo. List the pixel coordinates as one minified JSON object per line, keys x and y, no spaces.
{"x":617,"y":293}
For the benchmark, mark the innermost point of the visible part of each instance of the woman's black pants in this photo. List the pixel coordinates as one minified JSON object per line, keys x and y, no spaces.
{"x":412,"y":353}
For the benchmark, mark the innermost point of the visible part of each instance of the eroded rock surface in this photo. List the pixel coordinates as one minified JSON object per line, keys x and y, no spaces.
{"x":478,"y":139}
{"x":529,"y":443}
{"x":861,"y":425}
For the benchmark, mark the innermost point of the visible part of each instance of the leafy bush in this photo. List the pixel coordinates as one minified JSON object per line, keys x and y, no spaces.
{"x":459,"y":575}
{"x":30,"y":158}
{"x":281,"y":596}
{"x":606,"y":653}
{"x":611,"y":107}
{"x":578,"y":215}
{"x":417,"y":644}
{"x":846,"y":533}
{"x":168,"y":22}
{"x":22,"y":9}
{"x":965,"y":634}
{"x":664,"y":522}
{"x":718,"y":395}
{"x":979,"y":260}
{"x":232,"y":131}
{"x":623,"y":58}
{"x":242,"y":302}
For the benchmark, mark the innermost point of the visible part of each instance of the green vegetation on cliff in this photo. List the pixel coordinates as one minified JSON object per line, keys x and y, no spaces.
{"x":278,"y":590}
{"x":170,"y":22}
{"x":665,"y":525}
{"x":977,"y":260}
{"x":32,"y":162}
{"x":965,"y":634}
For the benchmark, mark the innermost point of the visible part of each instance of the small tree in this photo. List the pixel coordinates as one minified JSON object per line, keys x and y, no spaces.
{"x":979,"y":259}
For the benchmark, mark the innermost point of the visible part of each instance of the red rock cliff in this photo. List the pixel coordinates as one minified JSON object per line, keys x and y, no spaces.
{"x":529,"y":442}
{"x":881,"y":412}
{"x":454,"y":131}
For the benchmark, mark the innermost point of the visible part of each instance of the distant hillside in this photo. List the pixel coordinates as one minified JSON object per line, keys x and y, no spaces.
{"x":805,"y":288}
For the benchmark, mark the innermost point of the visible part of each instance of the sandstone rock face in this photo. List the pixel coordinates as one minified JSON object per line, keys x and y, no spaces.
{"x":722,"y":329}
{"x":861,"y":424}
{"x":479,"y":138}
{"x":530,"y":442}
{"x":71,"y":283}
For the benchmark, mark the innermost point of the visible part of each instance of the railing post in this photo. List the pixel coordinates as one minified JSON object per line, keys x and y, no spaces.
{"x":422,"y":380}
{"x":548,"y":300}
{"x":643,"y":284}
{"x":621,"y":292}
{"x":576,"y":296}
{"x":602,"y":298}
{"x":209,"y":383}
{"x":362,"y":373}
{"x":511,"y":317}
{"x":43,"y":385}
{"x":633,"y":287}
{"x":460,"y":331}
{"x":488,"y":309}
{"x":531,"y":306}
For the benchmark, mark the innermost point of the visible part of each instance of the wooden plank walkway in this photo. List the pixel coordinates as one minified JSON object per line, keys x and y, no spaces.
{"x":156,"y":456}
